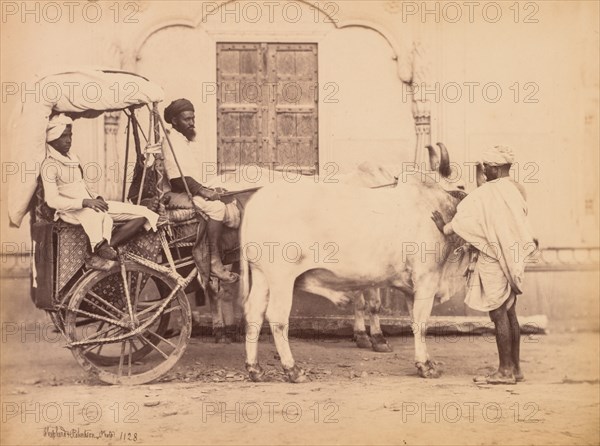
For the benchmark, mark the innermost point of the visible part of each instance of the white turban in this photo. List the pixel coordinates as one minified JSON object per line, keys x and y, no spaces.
{"x":56,"y":127}
{"x":498,"y":156}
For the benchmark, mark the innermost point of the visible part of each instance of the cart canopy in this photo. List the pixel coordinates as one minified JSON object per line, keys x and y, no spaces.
{"x":79,"y":93}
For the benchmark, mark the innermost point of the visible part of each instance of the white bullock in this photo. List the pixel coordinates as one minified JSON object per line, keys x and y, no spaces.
{"x":334,"y":240}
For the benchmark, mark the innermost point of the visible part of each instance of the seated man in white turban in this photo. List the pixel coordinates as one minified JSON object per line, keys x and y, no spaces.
{"x":66,"y":192}
{"x":493,"y":220}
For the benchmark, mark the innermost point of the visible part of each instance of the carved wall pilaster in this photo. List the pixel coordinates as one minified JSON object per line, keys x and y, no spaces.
{"x":110,"y":188}
{"x":421,"y":107}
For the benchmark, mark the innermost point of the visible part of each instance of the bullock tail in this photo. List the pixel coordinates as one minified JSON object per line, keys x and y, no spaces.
{"x":244,"y":267}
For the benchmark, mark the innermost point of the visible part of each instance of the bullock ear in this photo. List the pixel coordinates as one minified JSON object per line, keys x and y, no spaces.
{"x":434,"y":158}
{"x":458,"y":194}
{"x":444,"y":168}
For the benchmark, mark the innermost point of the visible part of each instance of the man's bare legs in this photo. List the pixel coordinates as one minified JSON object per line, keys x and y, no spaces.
{"x":126,"y":231}
{"x":515,"y":331}
{"x":507,"y":341}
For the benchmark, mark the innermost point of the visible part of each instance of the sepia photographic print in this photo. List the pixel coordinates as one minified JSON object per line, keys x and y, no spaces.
{"x":299,"y":222}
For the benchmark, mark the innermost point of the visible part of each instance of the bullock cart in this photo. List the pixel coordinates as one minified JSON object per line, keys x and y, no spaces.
{"x":129,"y":324}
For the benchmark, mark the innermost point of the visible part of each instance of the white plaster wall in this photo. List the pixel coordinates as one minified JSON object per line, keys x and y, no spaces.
{"x":547,"y":132}
{"x":372,"y":119}
{"x":362,"y":114}
{"x":559,"y":54}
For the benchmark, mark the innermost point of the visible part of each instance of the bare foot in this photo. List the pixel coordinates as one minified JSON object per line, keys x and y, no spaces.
{"x":496,"y":378}
{"x":519,"y":375}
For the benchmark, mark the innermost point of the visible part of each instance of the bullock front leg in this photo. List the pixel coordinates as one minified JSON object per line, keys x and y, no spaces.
{"x":422,"y":305}
{"x":278,"y":315}
{"x":360,"y":332}
{"x":254,"y":312}
{"x":379,"y":342}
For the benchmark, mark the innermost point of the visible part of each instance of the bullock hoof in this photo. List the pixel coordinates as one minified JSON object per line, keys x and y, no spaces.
{"x":362,"y":339}
{"x":220,"y":336}
{"x":223,"y":339}
{"x":232,"y":333}
{"x":380,"y":344}
{"x":428,"y":369}
{"x":296,"y":374}
{"x":255,"y":372}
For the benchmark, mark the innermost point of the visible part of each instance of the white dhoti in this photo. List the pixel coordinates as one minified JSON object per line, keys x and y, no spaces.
{"x":487,"y":288}
{"x":99,"y":225}
{"x":492,"y":218}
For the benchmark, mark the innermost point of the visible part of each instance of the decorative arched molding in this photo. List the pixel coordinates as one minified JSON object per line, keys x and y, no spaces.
{"x":402,"y":58}
{"x":157,"y":27}
{"x":409,"y":59}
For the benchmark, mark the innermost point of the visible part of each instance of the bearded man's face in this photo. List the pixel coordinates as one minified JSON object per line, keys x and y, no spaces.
{"x":184,"y":123}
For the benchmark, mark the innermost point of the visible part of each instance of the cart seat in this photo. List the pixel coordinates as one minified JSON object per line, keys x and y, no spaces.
{"x":180,"y":215}
{"x":177,"y":203}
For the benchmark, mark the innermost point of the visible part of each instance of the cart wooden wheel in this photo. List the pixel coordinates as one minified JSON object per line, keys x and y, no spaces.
{"x":124,"y":326}
{"x":57,"y":319}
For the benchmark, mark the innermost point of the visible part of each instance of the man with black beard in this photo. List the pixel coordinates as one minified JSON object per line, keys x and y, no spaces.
{"x":180,"y":114}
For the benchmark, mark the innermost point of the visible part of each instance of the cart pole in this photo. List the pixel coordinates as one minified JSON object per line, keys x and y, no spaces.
{"x":187,"y":189}
{"x":126,"y":158}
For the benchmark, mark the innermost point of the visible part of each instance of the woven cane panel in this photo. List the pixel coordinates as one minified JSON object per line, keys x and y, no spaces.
{"x":182,"y":231}
{"x":146,"y":245}
{"x":72,"y":247}
{"x":111,"y":290}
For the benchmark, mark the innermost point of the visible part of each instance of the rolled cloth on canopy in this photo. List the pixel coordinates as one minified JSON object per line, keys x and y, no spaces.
{"x":78,"y":93}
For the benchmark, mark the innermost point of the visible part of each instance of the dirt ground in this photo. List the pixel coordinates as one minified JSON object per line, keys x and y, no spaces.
{"x":354,"y":397}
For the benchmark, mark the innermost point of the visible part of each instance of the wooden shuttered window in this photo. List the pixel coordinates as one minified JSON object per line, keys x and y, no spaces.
{"x":267,"y":96}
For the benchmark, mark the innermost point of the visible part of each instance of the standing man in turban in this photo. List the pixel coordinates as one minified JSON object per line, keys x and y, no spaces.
{"x":66,"y":192}
{"x":180,"y":114}
{"x":493,"y":220}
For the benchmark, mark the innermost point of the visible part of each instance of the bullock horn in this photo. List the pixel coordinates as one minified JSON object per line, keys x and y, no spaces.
{"x":434,"y":158}
{"x":444,"y":168}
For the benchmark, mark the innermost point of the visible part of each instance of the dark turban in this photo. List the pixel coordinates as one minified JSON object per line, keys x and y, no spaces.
{"x":176,"y":107}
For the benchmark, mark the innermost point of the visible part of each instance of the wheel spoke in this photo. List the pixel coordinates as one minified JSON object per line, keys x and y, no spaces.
{"x":135,"y":349}
{"x":118,"y":325}
{"x":161,"y":338}
{"x":167,"y":311}
{"x":138,"y":290}
{"x":107,"y":303}
{"x":100,"y":333}
{"x":126,"y":289}
{"x":151,"y":307}
{"x":109,"y":314}
{"x":121,"y":358}
{"x":102,"y":323}
{"x":154,"y":346}
{"x":129,"y":361}
{"x":89,"y":348}
{"x":171,"y":309}
{"x":97,"y":317}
